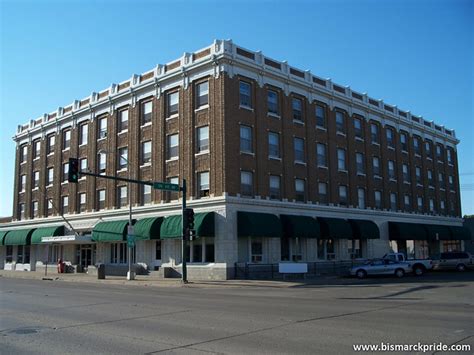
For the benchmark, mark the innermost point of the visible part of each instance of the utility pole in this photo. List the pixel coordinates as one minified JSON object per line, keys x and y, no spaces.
{"x":184,"y":272}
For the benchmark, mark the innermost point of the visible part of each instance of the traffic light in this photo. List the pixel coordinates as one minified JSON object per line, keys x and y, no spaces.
{"x":73,"y":174}
{"x":192,"y":234}
{"x":188,"y":218}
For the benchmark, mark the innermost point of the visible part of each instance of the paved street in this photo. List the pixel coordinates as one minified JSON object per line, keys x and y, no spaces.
{"x":57,"y":317}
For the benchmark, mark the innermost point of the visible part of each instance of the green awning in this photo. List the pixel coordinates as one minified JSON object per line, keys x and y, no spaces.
{"x":148,"y":228}
{"x":46,"y":232}
{"x":18,"y":237}
{"x":335,"y":228}
{"x":457,"y":233}
{"x":2,"y":236}
{"x":300,"y":226}
{"x":204,"y":224}
{"x":171,"y":227}
{"x":364,"y":229}
{"x":438,"y":232}
{"x":406,"y":231}
{"x":251,"y":224}
{"x":112,"y":231}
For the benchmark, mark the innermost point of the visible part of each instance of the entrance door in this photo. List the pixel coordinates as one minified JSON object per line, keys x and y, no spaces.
{"x":85,"y":254}
{"x":158,"y":253}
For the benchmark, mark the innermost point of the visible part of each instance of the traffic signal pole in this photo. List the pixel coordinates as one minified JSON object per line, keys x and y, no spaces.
{"x":184,"y":272}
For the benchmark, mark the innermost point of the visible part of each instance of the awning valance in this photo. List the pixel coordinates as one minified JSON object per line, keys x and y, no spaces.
{"x":46,"y":232}
{"x":148,"y":228}
{"x":438,"y":232}
{"x":407,"y":231}
{"x":460,"y":233}
{"x":364,"y":229}
{"x":204,"y":224}
{"x":251,"y":224}
{"x":18,"y":237}
{"x":110,"y":231}
{"x":2,"y":236}
{"x":171,"y":227}
{"x":335,"y":228}
{"x":300,"y":226}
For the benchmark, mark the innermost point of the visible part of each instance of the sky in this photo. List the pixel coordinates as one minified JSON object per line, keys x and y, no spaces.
{"x":415,"y":54}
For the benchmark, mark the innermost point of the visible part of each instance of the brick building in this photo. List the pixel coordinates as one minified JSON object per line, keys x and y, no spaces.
{"x":281,"y":165}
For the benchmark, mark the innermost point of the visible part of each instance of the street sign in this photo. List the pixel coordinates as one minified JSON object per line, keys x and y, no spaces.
{"x":165,"y":186}
{"x":130,"y":241}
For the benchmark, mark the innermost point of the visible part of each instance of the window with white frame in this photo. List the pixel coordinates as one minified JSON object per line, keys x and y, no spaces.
{"x":66,"y":139}
{"x":22,"y":183}
{"x":65,"y":172}
{"x":393,"y":201}
{"x":123,"y":120}
{"x":298,"y":144}
{"x":451,"y":182}
{"x":49,"y":176}
{"x":145,"y":194}
{"x":321,"y":155}
{"x":246,"y":139}
{"x":407,"y":202}
{"x":404,"y":142}
{"x":391,"y":170}
{"x":418,"y":175}
{"x":342,"y":195}
{"x":360,"y":166}
{"x":430,"y":177}
{"x":146,"y":112}
{"x":173,"y":146}
{"x":374,"y":133}
{"x":65,"y":204}
{"x":272,"y":102}
{"x":419,"y":203}
{"x":23,"y":153}
{"x":439,"y":152}
{"x":341,"y":160}
{"x":203,"y":139}
{"x":50,"y":207}
{"x":245,"y":94}
{"x":428,"y":150}
{"x":340,"y":124}
{"x":146,"y":152}
{"x":378,"y":199}
{"x":273,"y":145}
{"x":51,"y":141}
{"x":297,"y":108}
{"x":82,"y":202}
{"x":102,"y":162}
{"x":323,"y":192}
{"x":118,"y":253}
{"x":390,"y":137}
{"x":376,"y":166}
{"x":173,"y":103}
{"x":442,"y":205}
{"x":122,"y":196}
{"x":36,"y":149}
{"x":432,"y":208}
{"x":300,"y":194}
{"x":406,"y":173}
{"x":21,"y":211}
{"x":320,"y":116}
{"x":202,"y":94}
{"x":122,"y":158}
{"x":35,"y":209}
{"x":361,"y":198}
{"x":441,"y":180}
{"x":358,"y":128}
{"x":83,"y":133}
{"x":256,"y":249}
{"x":83,"y":165}
{"x":449,"y":156}
{"x":416,"y":145}
{"x":100,"y":199}
{"x":275,"y":189}
{"x":203,"y":181}
{"x":246,"y":183}
{"x":102,"y":133}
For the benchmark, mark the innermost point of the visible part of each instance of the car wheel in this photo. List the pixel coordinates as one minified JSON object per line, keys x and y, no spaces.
{"x":461,"y":267}
{"x":361,"y":274}
{"x":419,"y":270}
{"x":399,"y":273}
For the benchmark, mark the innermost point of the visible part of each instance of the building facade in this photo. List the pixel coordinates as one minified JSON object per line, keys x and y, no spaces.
{"x":276,"y":161}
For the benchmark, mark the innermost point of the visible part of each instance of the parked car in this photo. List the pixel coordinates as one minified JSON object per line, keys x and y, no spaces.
{"x":419,"y":266}
{"x":459,"y":261}
{"x":381,"y":267}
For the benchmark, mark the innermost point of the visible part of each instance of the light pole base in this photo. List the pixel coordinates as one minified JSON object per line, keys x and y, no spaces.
{"x":130,"y":275}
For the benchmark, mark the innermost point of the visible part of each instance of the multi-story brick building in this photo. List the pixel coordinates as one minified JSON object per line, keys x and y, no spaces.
{"x":280,"y":165}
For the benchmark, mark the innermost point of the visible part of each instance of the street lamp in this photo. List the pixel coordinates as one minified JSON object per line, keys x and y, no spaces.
{"x":130,"y":231}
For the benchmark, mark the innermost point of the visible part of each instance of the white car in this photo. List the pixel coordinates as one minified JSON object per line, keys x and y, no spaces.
{"x":381,"y":267}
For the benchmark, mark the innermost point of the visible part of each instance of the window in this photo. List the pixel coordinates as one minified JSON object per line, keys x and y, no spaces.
{"x":323,"y":192}
{"x":299,"y":149}
{"x":430,"y":178}
{"x":146,"y":152}
{"x":378,"y":199}
{"x":65,"y":172}
{"x":404,"y":142}
{"x":245,"y":94}
{"x":343,"y":195}
{"x":35,"y":209}
{"x":358,"y":127}
{"x":146,"y":111}
{"x":118,"y":253}
{"x":50,"y":207}
{"x":36,"y":149}
{"x":390,"y":139}
{"x":50,"y":144}
{"x":122,"y":196}
{"x":21,"y":211}
{"x":246,"y":183}
{"x":419,"y":202}
{"x":83,"y":133}
{"x":23,"y":153}
{"x":406,"y":173}
{"x":374,"y":133}
{"x":275,"y":192}
{"x":391,"y":170}
{"x":65,"y":205}
{"x":122,"y":158}
{"x":432,"y":209}
{"x":297,"y":107}
{"x":66,"y":139}
{"x":361,"y":198}
{"x":256,"y":252}
{"x":451,"y":182}
{"x":173,"y":146}
{"x":203,"y":181}
{"x":173,"y":103}
{"x":172,"y":195}
{"x":83,"y":165}
{"x":450,"y":156}
{"x":209,"y":250}
{"x":100,"y":199}
{"x":273,"y":145}
{"x":102,"y":128}
{"x":36,"y":177}
{"x":300,"y":190}
{"x":321,"y":116}
{"x":49,"y":176}
{"x":418,"y":175}
{"x":341,"y":160}
{"x":102,"y":161}
{"x":145,"y":194}
{"x":406,"y":200}
{"x":442,"y":205}
{"x":321,"y":155}
{"x":439,"y":152}
{"x":82,"y":202}
{"x":416,"y":145}
{"x":246,"y":139}
{"x":393,"y":201}
{"x":203,"y":139}
{"x":123,"y":120}
{"x":340,"y":124}
{"x":22,"y":183}
{"x":360,"y":164}
{"x":202,"y":94}
{"x":376,"y":166}
{"x":9,"y":254}
{"x":428,"y":148}
{"x":272,"y":102}
{"x":441,"y":180}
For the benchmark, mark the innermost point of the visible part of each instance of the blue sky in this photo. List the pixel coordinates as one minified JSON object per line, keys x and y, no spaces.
{"x":414,"y":54}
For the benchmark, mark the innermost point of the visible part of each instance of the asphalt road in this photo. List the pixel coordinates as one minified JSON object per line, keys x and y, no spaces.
{"x":53,"y":317}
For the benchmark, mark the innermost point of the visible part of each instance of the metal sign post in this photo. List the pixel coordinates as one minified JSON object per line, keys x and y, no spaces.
{"x":184,"y":273}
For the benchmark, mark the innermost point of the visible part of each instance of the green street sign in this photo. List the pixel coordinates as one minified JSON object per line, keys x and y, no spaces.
{"x":165,"y":186}
{"x":130,"y":241}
